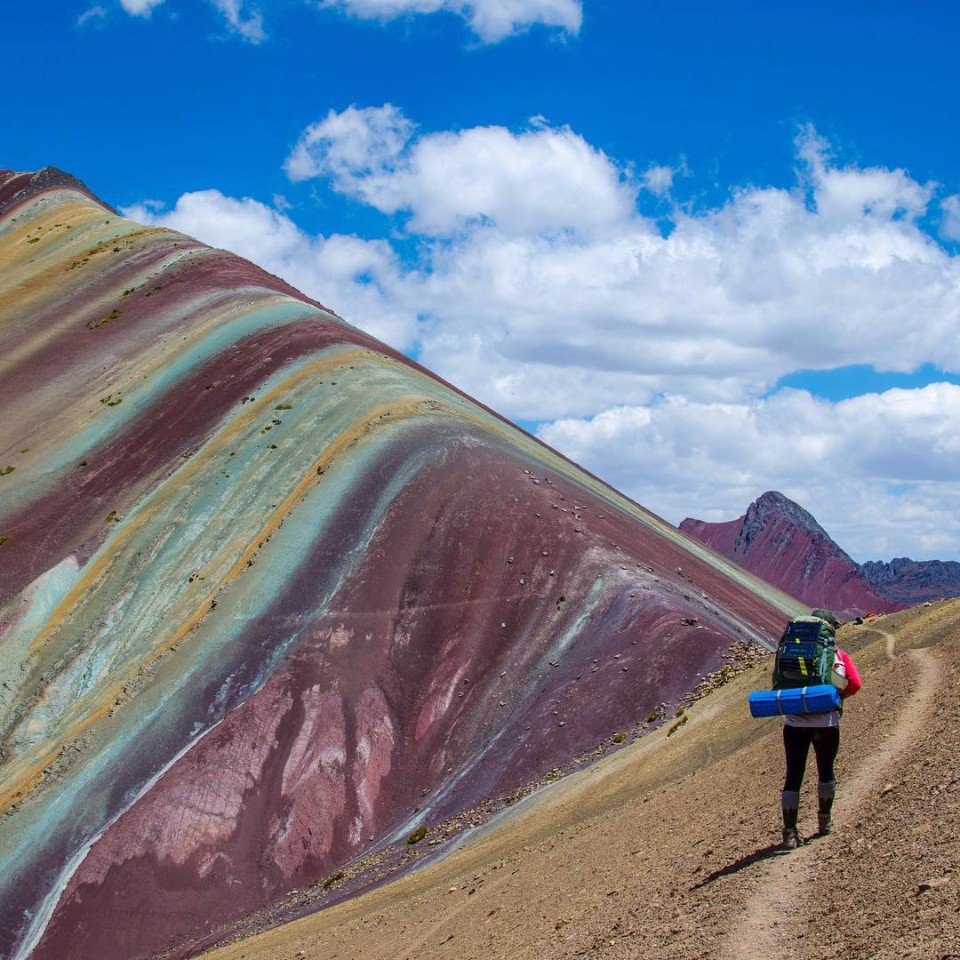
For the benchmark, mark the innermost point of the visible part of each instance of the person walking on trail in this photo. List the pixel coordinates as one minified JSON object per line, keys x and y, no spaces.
{"x":822,"y":730}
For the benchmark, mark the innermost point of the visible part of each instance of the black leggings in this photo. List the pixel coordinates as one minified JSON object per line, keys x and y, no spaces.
{"x":796,"y":744}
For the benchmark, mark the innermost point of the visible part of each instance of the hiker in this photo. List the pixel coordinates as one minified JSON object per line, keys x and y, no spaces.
{"x":823,"y":731}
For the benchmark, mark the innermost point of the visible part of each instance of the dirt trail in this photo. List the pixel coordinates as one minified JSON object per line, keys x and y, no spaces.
{"x":769,"y":927}
{"x":891,"y":642}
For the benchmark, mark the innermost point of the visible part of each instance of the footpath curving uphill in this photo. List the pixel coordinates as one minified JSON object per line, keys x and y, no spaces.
{"x":775,"y":920}
{"x":271,"y":595}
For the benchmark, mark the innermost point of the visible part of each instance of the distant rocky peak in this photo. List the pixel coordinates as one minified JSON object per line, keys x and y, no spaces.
{"x":773,"y":506}
{"x":780,"y":541}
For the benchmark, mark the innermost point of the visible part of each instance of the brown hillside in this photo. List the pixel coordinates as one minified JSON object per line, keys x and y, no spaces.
{"x":665,"y":850}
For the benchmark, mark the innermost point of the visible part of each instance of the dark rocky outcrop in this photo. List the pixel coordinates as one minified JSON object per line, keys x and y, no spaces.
{"x":913,"y":581}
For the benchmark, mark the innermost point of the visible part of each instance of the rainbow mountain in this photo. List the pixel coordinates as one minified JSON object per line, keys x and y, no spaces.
{"x":272,"y":596}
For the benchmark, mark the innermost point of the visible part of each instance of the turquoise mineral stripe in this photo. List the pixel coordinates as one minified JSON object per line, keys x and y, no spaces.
{"x":161,"y":712}
{"x":191,"y":532}
{"x":33,"y":478}
{"x":41,"y":599}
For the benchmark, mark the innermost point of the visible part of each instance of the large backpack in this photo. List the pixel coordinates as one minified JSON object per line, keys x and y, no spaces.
{"x":805,"y":654}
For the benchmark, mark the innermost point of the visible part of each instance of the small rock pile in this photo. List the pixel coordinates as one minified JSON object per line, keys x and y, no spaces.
{"x":740,"y":656}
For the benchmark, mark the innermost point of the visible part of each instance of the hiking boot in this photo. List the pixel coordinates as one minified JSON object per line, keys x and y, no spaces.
{"x":791,"y":838}
{"x":790,"y":807}
{"x":826,"y":791}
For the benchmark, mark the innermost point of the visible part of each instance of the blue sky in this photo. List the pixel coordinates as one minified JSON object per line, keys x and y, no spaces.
{"x":705,"y":249}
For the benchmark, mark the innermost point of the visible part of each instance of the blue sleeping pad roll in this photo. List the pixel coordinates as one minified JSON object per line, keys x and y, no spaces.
{"x":798,"y":700}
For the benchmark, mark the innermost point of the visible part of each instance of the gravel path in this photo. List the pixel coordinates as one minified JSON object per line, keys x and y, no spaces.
{"x":774,"y":915}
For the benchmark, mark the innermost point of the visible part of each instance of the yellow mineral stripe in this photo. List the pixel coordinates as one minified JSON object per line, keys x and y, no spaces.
{"x":18,"y":785}
{"x":27,"y":280}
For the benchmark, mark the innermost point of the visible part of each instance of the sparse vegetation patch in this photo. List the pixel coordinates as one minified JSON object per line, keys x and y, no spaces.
{"x":416,"y":836}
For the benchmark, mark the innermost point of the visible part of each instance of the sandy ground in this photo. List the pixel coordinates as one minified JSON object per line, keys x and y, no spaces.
{"x":668,"y":849}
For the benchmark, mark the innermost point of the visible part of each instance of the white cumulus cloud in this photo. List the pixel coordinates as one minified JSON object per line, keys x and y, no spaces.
{"x":880,"y":471}
{"x":548,"y":295}
{"x":240,"y":19}
{"x":951,"y":217}
{"x":537,"y":180}
{"x":658,"y":178}
{"x":92,"y":14}
{"x":351,"y":146}
{"x":520,"y":269}
{"x":849,"y":194}
{"x":245,"y":23}
{"x":140,"y":8}
{"x":490,"y":20}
